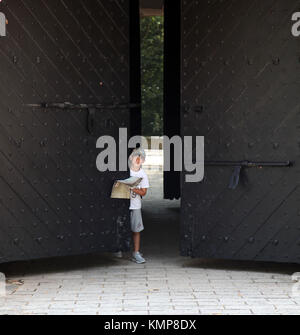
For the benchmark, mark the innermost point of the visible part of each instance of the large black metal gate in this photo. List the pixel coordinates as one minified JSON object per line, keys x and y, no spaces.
{"x":240,"y":89}
{"x":53,"y":201}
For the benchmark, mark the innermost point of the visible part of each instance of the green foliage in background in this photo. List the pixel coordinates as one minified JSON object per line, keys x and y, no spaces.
{"x":152,"y":58}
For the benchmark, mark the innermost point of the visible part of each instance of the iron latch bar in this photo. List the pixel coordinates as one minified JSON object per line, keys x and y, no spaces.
{"x":239,"y":166}
{"x":91,"y":108}
{"x":68,"y":105}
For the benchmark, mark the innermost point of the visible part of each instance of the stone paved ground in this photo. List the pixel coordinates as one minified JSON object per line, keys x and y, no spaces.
{"x":167,"y":284}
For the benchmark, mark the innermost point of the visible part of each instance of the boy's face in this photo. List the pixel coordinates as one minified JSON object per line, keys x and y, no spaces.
{"x":136,"y":162}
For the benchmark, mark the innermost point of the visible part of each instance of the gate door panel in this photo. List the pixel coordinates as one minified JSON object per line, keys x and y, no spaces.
{"x":53,"y":201}
{"x":240,"y":89}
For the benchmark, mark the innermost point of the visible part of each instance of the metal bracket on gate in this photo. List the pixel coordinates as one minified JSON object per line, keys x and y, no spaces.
{"x":91,"y":108}
{"x":240,"y":166}
{"x":91,"y":120}
{"x":235,"y":178}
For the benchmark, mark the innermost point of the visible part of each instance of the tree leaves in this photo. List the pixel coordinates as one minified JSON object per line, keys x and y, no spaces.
{"x":152,"y":70}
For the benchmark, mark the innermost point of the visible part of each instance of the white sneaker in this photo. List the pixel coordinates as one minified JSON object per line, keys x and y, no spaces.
{"x":137,"y":258}
{"x":118,"y":254}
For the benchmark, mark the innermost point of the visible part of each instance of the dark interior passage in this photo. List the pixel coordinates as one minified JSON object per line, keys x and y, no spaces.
{"x":161,"y":237}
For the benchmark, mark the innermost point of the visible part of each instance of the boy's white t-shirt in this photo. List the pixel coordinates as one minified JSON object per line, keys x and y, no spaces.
{"x":136,"y":199}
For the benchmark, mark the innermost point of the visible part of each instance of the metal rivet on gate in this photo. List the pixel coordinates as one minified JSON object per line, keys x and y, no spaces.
{"x":16,"y":241}
{"x":199,"y":109}
{"x":276,"y":242}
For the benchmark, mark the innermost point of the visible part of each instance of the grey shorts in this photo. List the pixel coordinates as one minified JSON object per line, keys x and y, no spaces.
{"x":136,"y":220}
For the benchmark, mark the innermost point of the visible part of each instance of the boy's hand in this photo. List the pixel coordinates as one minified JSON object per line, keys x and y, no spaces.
{"x":142,"y":191}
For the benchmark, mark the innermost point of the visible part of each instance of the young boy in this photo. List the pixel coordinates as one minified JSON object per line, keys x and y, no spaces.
{"x":136,"y":159}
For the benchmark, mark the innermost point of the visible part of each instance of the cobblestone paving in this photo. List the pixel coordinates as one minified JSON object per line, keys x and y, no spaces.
{"x":167,"y":284}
